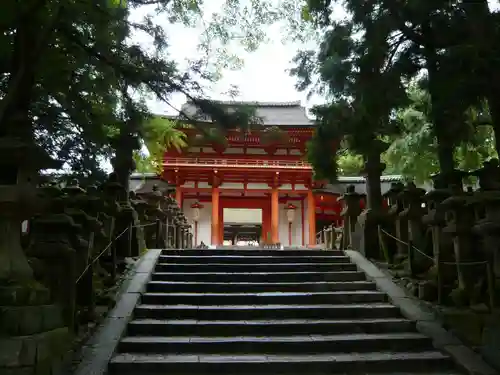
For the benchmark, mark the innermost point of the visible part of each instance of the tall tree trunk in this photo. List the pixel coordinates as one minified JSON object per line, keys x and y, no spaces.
{"x":441,"y":126}
{"x":124,"y":160}
{"x":32,"y":36}
{"x":483,"y":33}
{"x":494,"y":104}
{"x":373,"y":169}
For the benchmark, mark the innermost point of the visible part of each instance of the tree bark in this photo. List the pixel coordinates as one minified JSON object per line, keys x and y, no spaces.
{"x":484,"y":31}
{"x":31,"y":38}
{"x":445,"y":147}
{"x":494,"y":104}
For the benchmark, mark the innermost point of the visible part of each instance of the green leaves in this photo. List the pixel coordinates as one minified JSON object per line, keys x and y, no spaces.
{"x":87,"y":96}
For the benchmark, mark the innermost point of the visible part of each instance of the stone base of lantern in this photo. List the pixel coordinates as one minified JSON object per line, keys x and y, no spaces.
{"x":33,"y":339}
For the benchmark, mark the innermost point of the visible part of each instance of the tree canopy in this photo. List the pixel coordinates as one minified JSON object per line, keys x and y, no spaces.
{"x":75,"y":80}
{"x":414,"y":75}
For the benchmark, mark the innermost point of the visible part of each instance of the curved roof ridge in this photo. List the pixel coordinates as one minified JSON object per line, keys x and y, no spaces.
{"x":295,"y":103}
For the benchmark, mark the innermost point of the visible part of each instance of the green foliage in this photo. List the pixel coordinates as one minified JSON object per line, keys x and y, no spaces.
{"x":414,"y":153}
{"x":159,"y":134}
{"x":350,"y":164}
{"x":364,"y":65}
{"x":73,"y":71}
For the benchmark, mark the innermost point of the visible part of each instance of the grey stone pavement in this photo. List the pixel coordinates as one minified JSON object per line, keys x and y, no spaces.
{"x":97,"y":352}
{"x":427,"y":322}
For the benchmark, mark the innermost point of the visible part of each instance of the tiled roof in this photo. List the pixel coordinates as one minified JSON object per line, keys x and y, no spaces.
{"x":360,"y":184}
{"x":144,"y":182}
{"x":362,"y":180}
{"x":272,"y":113}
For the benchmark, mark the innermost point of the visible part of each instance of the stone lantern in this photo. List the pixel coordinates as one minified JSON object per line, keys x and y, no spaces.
{"x":290,"y":215}
{"x":351,"y":209}
{"x":171,"y":228}
{"x":196,"y":217}
{"x":26,"y":305}
{"x":20,"y":163}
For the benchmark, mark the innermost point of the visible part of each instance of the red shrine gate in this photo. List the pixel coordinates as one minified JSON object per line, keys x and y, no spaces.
{"x":250,"y":173}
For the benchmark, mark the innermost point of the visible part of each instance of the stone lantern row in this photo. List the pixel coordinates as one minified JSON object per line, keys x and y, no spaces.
{"x":172,"y":228}
{"x":449,"y":233}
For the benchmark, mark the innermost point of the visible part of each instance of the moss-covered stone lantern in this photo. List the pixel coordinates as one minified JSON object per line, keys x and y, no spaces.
{"x":28,"y":320}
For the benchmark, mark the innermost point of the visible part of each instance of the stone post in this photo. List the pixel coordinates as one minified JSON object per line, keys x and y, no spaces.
{"x":78,"y":207}
{"x":350,"y":211}
{"x":111,"y":189}
{"x":442,"y":242}
{"x":156,"y":216}
{"x":400,"y":224}
{"x":460,"y":220}
{"x":172,"y":206}
{"x":488,"y":229}
{"x":413,"y":198}
{"x":486,"y":203}
{"x":125,"y":218}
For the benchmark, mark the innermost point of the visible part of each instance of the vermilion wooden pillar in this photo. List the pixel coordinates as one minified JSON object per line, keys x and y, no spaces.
{"x":311,"y":217}
{"x":178,"y":196}
{"x":275,"y":238}
{"x":302,"y":220}
{"x":215,"y":216}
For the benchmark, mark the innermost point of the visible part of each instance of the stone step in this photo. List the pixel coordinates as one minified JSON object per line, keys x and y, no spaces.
{"x":305,"y":344}
{"x":249,"y":312}
{"x":266,"y":298}
{"x":211,"y":287}
{"x":252,"y":252}
{"x":243,"y":259}
{"x":260,"y":276}
{"x":333,"y":363}
{"x":153,"y":327}
{"x":261,"y":267}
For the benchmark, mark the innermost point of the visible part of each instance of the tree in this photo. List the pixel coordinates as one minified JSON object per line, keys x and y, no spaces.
{"x":348,"y":66}
{"x":159,"y":134}
{"x":413,"y":152}
{"x":437,"y":41}
{"x":69,"y":69}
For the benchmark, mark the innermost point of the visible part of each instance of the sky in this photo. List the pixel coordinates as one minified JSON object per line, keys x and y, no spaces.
{"x":264,"y":76}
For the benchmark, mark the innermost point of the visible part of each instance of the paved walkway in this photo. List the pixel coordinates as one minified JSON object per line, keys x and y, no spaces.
{"x":256,"y":311}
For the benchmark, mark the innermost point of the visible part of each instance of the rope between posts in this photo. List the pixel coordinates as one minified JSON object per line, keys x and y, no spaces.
{"x":108,"y":246}
{"x":476,"y":263}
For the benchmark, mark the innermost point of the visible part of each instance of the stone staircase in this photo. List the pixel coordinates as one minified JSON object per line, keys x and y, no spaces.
{"x":234,"y":311}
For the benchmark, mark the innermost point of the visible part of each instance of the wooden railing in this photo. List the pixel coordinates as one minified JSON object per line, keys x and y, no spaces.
{"x":251,"y":163}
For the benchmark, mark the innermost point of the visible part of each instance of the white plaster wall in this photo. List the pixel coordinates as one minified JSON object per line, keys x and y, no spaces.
{"x":258,"y":186}
{"x":256,"y":151}
{"x":208,"y":150}
{"x":306,"y":223}
{"x":205,"y":222}
{"x":296,"y":225}
{"x":301,"y":187}
{"x":231,"y":150}
{"x":232,"y":185}
{"x":243,"y":215}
